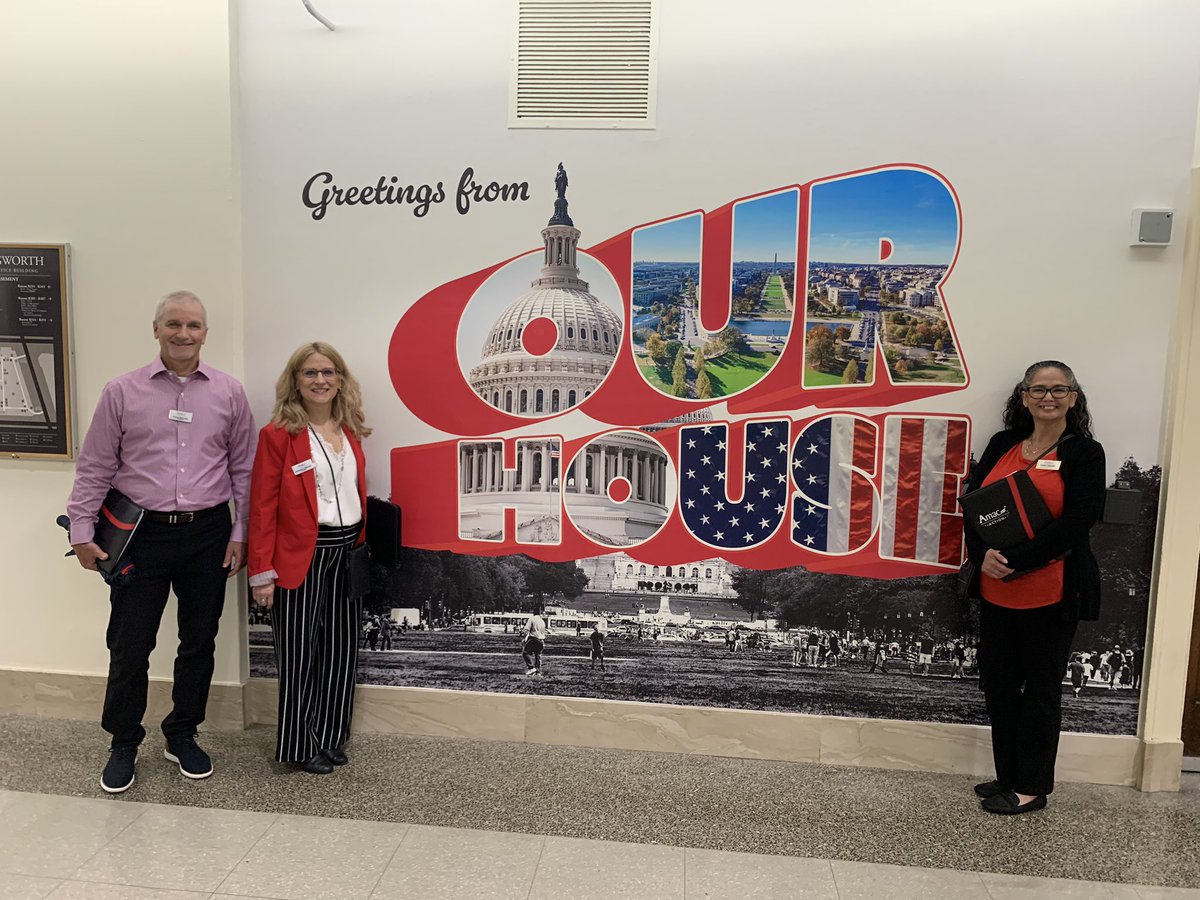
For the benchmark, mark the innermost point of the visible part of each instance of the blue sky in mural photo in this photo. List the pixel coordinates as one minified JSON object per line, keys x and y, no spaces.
{"x":912,"y":207}
{"x":765,"y":227}
{"x":677,"y":240}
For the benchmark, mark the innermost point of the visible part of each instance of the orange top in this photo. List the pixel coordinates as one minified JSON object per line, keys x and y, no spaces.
{"x":1038,"y":587}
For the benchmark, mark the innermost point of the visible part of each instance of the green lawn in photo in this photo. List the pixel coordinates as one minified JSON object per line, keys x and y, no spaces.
{"x":652,"y":373}
{"x":738,"y":370}
{"x":773,"y":293}
{"x":813,"y":378}
{"x":936,"y":372}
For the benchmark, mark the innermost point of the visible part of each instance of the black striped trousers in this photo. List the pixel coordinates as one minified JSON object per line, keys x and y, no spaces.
{"x":316,"y":650}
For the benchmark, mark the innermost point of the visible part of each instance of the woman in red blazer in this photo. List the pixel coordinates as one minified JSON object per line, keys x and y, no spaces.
{"x":308,"y":499}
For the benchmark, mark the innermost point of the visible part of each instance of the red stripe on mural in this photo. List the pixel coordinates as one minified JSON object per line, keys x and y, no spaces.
{"x":908,"y":487}
{"x":862,"y":493}
{"x":950,"y":488}
{"x":862,"y":511}
{"x":956,"y":447}
{"x":950,"y":538}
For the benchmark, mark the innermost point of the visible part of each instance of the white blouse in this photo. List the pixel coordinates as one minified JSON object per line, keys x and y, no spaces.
{"x":341,"y":482}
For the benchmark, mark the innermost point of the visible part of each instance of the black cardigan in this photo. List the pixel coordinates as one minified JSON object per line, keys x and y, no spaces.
{"x":1083,"y":476}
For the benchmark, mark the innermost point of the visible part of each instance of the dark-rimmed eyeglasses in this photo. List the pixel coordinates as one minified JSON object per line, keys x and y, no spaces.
{"x":1038,"y":392}
{"x":311,"y":374}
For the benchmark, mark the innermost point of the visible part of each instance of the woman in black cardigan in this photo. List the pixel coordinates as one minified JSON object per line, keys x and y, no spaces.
{"x":1033,"y":595}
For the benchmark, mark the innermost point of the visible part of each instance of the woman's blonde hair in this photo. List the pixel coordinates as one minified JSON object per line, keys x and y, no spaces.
{"x":289,"y":411}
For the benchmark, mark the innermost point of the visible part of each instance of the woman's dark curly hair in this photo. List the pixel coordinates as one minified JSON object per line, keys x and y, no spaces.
{"x":1018,"y":418}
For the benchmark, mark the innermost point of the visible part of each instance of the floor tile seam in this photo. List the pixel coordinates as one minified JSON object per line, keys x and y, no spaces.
{"x":246,"y":852}
{"x":145,"y":808}
{"x":129,"y":884}
{"x":978,"y":876}
{"x":536,"y":868}
{"x":408,"y":829}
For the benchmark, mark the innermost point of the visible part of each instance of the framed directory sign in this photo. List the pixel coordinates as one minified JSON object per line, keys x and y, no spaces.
{"x":36,"y":417}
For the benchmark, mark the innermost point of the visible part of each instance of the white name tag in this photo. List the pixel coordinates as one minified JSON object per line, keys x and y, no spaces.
{"x":301,"y":467}
{"x":1052,"y":464}
{"x":179,"y":415}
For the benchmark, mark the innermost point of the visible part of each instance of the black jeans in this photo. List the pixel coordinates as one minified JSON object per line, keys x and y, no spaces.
{"x":1022,"y":658}
{"x":187,"y":558}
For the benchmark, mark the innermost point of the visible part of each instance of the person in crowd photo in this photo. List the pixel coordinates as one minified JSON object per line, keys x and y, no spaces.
{"x":533,"y":643}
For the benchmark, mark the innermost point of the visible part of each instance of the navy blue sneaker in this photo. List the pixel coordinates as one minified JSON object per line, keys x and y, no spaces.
{"x":193,"y":762}
{"x":118,"y":774}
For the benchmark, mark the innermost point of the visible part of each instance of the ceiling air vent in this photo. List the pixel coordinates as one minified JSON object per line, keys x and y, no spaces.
{"x":584,"y":64}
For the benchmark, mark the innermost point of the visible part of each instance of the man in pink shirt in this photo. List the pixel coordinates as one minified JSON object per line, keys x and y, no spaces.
{"x":177,"y":438}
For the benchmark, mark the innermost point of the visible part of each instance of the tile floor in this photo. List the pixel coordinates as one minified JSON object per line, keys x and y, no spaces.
{"x":78,"y":848}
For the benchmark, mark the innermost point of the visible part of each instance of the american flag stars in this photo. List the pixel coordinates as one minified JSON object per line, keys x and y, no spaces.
{"x":713,"y":518}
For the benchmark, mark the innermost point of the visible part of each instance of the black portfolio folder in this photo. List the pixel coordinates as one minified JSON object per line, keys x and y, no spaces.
{"x":116,"y":524}
{"x":383,"y":531}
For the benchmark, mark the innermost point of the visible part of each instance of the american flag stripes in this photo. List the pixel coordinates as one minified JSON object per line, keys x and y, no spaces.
{"x":833,"y":460}
{"x":924,"y":458}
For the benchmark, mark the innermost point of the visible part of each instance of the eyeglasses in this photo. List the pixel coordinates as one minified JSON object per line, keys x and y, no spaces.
{"x":1037,"y":391}
{"x":311,"y":374}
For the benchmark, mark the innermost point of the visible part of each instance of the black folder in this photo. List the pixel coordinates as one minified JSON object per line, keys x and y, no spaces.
{"x":116,"y":525}
{"x":383,"y":531}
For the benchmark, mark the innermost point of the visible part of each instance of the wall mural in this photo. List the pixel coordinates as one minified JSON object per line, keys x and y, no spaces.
{"x":694,"y":443}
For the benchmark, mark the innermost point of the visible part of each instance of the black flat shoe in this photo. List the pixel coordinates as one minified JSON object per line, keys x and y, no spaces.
{"x":337,"y":756}
{"x":1006,"y":804}
{"x":318,"y":765}
{"x":986,"y":789}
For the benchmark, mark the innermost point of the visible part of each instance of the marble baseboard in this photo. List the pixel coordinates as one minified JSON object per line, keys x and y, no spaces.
{"x":745,"y":734}
{"x":1162,"y":766}
{"x":625,"y":725}
{"x":69,"y":696}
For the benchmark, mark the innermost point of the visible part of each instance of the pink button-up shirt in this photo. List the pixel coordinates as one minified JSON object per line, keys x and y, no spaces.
{"x":167,"y":445}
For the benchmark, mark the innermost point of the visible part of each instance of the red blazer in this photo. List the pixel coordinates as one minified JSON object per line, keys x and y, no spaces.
{"x":283,"y":505}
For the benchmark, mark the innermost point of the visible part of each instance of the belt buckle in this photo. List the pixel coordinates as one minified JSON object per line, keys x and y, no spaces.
{"x":180,"y":518}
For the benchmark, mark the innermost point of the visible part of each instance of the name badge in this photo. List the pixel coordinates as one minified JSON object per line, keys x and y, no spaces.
{"x":179,"y":415}
{"x":301,"y":467}
{"x":1052,"y":465}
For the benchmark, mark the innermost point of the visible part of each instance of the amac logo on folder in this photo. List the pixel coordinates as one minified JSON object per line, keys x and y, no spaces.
{"x":993,"y":518}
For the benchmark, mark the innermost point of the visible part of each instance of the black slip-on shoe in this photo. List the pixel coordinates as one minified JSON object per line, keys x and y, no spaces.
{"x":337,"y":756}
{"x":318,"y":765}
{"x":119,"y":774}
{"x":1006,"y":804}
{"x":986,"y":789}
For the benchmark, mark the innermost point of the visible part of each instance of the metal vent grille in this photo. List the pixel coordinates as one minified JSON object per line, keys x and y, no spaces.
{"x":584,"y":64}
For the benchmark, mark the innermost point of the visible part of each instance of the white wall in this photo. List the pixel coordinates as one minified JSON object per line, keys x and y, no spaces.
{"x":1052,"y":121}
{"x":118,"y":140}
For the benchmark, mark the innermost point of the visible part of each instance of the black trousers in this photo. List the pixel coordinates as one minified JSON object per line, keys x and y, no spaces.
{"x":316,"y":629}
{"x":1022,"y":657}
{"x":188,"y":559}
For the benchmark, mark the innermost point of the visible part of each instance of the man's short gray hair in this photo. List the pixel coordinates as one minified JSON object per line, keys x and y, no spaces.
{"x":178,"y":297}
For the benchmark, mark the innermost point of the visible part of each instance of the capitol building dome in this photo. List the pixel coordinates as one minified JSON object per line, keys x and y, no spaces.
{"x":576,"y":353}
{"x":588,"y":335}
